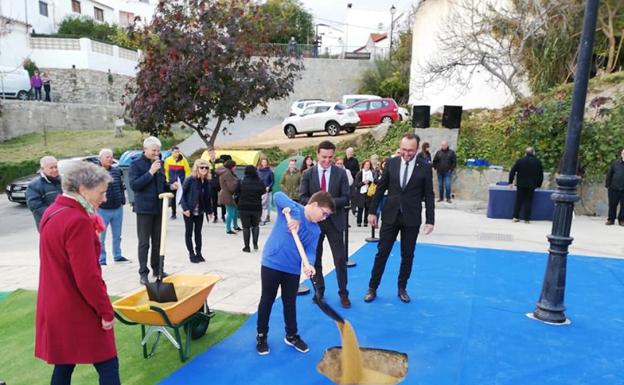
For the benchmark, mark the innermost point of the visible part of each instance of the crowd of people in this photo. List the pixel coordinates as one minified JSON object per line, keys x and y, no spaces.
{"x":73,"y":213}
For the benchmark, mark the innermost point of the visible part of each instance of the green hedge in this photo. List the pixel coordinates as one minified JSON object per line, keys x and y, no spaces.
{"x":11,"y":171}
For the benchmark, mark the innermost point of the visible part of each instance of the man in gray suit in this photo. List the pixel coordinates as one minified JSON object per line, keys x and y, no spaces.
{"x":328,"y":177}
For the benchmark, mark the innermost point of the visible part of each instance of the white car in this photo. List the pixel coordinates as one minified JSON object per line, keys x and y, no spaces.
{"x":328,"y":117}
{"x":349,"y":100}
{"x":301,"y":104}
{"x":14,"y":83}
{"x":403,"y":114}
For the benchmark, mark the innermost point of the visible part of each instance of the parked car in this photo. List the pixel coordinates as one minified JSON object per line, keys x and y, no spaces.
{"x":376,"y":111}
{"x":404,"y":113}
{"x":14,"y":83}
{"x":301,"y":104}
{"x":328,"y":117}
{"x":349,"y":100}
{"x":16,"y":190}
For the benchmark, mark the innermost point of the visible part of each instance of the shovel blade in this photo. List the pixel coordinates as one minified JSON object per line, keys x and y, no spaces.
{"x":160,"y":291}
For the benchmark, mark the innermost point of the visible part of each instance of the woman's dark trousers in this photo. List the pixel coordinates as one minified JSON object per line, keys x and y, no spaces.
{"x":251,"y":222}
{"x":193,"y":226}
{"x":107,"y":370}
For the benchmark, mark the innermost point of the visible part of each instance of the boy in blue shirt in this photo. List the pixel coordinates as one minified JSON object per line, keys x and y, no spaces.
{"x":281,"y":263}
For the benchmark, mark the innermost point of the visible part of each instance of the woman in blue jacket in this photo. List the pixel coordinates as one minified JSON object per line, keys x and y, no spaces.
{"x":195,"y":203}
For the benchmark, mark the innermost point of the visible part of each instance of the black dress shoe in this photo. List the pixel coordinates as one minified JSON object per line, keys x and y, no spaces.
{"x":246,"y":249}
{"x":370,"y":296}
{"x":344,"y":301}
{"x":403,"y":296}
{"x":200,"y":257}
{"x":231,"y":232}
{"x":144,"y":280}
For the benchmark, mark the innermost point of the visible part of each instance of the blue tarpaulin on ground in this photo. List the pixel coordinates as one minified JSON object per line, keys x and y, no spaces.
{"x":466,"y":324}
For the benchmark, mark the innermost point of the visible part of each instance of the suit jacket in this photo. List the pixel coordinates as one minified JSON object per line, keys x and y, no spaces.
{"x":409,"y":200}
{"x":338,"y":188}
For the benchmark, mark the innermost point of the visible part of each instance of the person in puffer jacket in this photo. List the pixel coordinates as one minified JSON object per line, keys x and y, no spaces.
{"x":176,"y":167}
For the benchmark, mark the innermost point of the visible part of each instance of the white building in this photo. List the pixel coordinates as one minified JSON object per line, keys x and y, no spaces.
{"x":20,"y":18}
{"x":378,"y":46}
{"x":482,"y":92}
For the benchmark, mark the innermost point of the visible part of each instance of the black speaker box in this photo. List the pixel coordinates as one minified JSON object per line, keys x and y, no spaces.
{"x":420,"y":116}
{"x":451,"y":117}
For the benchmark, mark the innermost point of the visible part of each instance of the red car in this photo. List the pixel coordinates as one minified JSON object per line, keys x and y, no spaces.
{"x":375,"y":111}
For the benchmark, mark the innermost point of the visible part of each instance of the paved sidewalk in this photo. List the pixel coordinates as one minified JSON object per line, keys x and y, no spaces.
{"x":460,"y":223}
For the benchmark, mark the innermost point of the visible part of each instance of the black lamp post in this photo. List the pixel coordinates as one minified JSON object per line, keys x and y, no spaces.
{"x":550,"y":307}
{"x":392,"y":12}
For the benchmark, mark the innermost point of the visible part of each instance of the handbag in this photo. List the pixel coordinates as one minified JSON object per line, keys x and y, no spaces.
{"x":372,"y":189}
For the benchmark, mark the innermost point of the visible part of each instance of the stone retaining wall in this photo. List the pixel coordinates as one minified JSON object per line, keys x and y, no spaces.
{"x":19,"y":118}
{"x":85,"y":86}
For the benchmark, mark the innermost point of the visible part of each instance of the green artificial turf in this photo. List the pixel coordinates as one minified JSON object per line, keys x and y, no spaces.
{"x":18,"y":366}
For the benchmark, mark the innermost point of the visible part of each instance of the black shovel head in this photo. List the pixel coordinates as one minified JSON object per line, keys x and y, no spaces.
{"x":159,"y":291}
{"x":328,"y":310}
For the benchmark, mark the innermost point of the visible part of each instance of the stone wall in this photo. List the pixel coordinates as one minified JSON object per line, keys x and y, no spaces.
{"x":19,"y":118}
{"x":85,"y":86}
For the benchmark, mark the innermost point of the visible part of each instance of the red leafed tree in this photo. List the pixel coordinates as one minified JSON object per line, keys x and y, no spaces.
{"x":207,"y":60}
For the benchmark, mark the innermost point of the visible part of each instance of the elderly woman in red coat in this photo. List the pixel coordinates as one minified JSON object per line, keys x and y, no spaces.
{"x":74,"y":321}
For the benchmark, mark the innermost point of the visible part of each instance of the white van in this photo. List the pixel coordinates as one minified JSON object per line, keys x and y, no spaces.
{"x":14,"y":83}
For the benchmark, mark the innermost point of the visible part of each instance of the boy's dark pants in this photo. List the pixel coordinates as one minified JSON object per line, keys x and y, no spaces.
{"x":271,"y":281}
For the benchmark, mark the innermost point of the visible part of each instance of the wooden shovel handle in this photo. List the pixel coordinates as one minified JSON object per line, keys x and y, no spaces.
{"x":163,"y":224}
{"x":302,"y":253}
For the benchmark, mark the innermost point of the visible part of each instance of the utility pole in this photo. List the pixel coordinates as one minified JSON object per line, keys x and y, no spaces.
{"x":550,"y":307}
{"x":392,"y":12}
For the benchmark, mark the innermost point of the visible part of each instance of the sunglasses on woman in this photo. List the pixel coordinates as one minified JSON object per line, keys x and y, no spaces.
{"x":203,"y":167}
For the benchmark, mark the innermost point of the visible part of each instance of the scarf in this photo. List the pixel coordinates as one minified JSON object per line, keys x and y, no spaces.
{"x":96,"y":219}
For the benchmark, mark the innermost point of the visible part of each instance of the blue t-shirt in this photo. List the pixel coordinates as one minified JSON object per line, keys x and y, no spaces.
{"x":280,"y":251}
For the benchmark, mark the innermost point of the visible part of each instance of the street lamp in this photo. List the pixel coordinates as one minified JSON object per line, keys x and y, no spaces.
{"x":550,"y":307}
{"x":392,"y":12}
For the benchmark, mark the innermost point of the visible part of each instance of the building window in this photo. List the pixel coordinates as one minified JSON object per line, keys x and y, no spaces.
{"x":43,"y":8}
{"x":76,"y":6}
{"x":98,"y":13}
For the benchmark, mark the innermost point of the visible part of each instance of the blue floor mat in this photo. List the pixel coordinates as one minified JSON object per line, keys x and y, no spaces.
{"x":466,"y":324}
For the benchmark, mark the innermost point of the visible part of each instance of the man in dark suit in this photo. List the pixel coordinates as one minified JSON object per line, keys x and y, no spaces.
{"x":328,"y":177}
{"x":529,"y":175}
{"x":408,"y":181}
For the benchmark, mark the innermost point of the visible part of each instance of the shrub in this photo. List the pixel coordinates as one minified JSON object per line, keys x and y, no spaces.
{"x":501,"y":136}
{"x":11,"y":171}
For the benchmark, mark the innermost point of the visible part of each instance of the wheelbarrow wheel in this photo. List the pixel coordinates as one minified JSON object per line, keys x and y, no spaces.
{"x":199,"y":326}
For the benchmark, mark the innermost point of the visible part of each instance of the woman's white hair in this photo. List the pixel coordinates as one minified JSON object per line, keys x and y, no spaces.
{"x":151,"y":141}
{"x":88,"y":175}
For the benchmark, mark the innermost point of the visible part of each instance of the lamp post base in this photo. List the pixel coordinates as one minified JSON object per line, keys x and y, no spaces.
{"x":565,"y":322}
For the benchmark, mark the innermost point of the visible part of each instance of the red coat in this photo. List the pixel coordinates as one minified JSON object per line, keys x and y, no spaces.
{"x":72,"y":298}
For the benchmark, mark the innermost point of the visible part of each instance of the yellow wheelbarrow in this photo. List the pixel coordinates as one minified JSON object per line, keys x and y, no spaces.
{"x":190,"y":312}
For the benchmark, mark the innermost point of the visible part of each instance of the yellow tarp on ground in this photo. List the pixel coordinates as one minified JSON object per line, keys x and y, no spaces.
{"x":241,"y":157}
